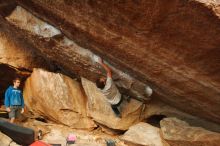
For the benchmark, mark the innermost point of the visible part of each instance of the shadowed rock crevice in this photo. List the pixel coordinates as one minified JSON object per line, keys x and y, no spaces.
{"x":155,"y":120}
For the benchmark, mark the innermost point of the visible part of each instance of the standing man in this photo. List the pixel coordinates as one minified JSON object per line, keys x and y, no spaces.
{"x":14,"y":100}
{"x":109,"y":89}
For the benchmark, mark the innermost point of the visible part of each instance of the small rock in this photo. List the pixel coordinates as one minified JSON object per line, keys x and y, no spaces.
{"x":6,"y":141}
{"x":180,"y":133}
{"x":143,"y":134}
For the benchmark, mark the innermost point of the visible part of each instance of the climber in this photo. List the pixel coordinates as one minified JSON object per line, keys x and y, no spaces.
{"x":109,"y":89}
{"x":14,"y":101}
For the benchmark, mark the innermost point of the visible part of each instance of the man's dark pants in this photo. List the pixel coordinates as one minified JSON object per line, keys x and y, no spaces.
{"x":115,"y":108}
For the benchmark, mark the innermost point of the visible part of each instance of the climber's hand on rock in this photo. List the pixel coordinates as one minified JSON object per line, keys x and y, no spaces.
{"x":100,"y":60}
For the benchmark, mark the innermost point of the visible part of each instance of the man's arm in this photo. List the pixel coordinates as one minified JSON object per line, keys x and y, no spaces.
{"x":7,"y":100}
{"x":22,"y":103}
{"x":106,"y":67}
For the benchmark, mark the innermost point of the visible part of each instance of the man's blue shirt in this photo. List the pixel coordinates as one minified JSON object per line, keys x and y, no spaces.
{"x":13,"y":97}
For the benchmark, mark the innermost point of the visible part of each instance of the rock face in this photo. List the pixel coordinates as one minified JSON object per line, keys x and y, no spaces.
{"x":180,"y":133}
{"x":16,"y":54}
{"x":21,"y":18}
{"x":58,"y":98}
{"x":143,"y":134}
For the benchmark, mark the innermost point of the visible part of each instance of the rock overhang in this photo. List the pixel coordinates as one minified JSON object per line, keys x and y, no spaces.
{"x":173,"y":46}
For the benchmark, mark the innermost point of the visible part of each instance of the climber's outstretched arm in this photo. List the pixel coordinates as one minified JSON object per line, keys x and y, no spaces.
{"x":106,"y":67}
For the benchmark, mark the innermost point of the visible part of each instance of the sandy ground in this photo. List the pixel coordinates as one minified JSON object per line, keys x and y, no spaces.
{"x":56,"y":134}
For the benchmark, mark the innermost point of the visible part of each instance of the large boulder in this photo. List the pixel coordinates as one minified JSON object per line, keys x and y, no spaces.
{"x":180,"y":133}
{"x":58,"y":98}
{"x":143,"y":134}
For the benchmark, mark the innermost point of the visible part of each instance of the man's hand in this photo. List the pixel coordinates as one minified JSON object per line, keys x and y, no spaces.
{"x":22,"y":110}
{"x":8,"y":109}
{"x":100,"y":60}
